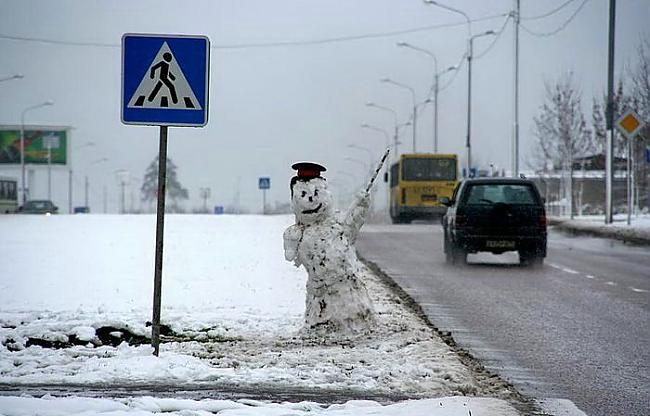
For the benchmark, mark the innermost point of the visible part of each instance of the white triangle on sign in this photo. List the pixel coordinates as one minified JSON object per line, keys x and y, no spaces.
{"x":164,"y":85}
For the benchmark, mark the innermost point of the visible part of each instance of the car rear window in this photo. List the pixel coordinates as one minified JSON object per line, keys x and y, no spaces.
{"x":37,"y":205}
{"x":488,"y":194}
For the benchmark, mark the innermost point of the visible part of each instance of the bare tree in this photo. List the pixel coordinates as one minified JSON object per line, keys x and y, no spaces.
{"x":561,"y":130}
{"x":640,"y":77}
{"x":622,"y":103}
{"x":640,"y":101}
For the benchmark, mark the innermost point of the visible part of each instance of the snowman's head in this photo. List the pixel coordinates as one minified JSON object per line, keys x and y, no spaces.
{"x":311,"y":200}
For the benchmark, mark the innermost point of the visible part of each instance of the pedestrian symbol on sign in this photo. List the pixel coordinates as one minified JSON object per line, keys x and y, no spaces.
{"x":164,"y":71}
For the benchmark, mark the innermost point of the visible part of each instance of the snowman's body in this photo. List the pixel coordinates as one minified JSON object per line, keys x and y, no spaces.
{"x":323,"y":242}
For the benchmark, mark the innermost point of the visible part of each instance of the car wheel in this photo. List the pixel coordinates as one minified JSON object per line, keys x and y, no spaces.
{"x":449,"y":259}
{"x":531,"y":259}
{"x":458,"y":255}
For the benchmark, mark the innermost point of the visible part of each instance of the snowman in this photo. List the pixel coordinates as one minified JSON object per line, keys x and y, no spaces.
{"x":322,"y":241}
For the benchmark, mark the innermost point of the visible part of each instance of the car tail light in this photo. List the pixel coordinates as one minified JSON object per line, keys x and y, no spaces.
{"x":542,"y":221}
{"x":403,"y":196}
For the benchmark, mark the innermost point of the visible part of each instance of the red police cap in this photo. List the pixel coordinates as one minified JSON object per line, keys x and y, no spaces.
{"x":308,"y":170}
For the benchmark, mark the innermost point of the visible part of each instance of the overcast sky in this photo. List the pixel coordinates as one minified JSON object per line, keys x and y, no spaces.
{"x":271,"y":106}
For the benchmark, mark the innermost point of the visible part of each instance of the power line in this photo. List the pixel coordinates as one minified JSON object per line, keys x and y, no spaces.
{"x":495,"y":40}
{"x":549,"y":13}
{"x":464,"y":57}
{"x":560,"y":28}
{"x":267,"y":44}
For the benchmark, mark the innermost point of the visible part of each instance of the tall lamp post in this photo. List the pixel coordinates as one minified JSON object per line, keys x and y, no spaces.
{"x":395,"y":131}
{"x":469,"y":96}
{"x":379,"y":129}
{"x":86,"y":182}
{"x":455,"y":10}
{"x":365,"y":149}
{"x":414,"y":99}
{"x":81,"y":146}
{"x":22,"y":143}
{"x":436,"y":86}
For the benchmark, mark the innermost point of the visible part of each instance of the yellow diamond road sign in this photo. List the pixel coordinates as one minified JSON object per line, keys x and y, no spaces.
{"x":629,"y":124}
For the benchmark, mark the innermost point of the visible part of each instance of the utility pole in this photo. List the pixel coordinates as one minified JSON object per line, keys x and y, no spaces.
{"x":104,"y":198}
{"x":609,"y":165}
{"x":435,"y":113}
{"x":515,"y":138}
{"x":469,"y":107}
{"x":70,"y":189}
{"x":86,"y":186}
{"x":205,"y":194}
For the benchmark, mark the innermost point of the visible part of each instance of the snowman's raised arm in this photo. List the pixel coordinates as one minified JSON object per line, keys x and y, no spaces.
{"x":358,"y":211}
{"x":355,"y":216}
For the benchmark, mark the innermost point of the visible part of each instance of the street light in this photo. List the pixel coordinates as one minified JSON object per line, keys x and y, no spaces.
{"x":469,"y":95}
{"x":379,"y":129}
{"x":453,"y":9}
{"x":435,"y":87}
{"x":22,"y":143}
{"x":81,"y":146}
{"x":15,"y":76}
{"x":365,"y":149}
{"x":414,"y":99}
{"x":86,"y":184}
{"x":396,"y":132}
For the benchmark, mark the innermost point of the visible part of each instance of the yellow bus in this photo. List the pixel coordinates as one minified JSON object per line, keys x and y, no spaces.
{"x":417,"y":182}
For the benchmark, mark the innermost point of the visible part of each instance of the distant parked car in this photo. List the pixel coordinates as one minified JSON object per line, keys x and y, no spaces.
{"x":495,"y":215}
{"x":38,"y":207}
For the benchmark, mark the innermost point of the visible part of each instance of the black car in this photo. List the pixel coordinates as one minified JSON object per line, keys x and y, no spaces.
{"x":38,"y":207}
{"x":495,"y":215}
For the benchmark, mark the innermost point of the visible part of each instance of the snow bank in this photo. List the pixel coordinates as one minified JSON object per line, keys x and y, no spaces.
{"x":637,"y":232}
{"x":149,"y":406}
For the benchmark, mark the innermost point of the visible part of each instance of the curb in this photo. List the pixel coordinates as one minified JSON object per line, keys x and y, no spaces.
{"x":628,"y":235}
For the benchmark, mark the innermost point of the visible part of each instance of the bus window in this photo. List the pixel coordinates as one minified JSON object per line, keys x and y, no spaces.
{"x":424,"y":169}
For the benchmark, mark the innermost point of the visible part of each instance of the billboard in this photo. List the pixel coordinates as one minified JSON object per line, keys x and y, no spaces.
{"x":37,"y":140}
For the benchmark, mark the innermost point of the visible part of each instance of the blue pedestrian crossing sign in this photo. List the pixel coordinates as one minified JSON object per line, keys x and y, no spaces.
{"x":264,"y":183}
{"x":165,"y":79}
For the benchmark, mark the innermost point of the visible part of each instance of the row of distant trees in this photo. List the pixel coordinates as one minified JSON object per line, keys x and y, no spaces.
{"x":176,"y":193}
{"x":563,"y":132}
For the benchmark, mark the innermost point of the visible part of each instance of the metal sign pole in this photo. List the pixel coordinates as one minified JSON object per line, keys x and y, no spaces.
{"x":629,"y":180}
{"x":160,"y":225}
{"x":264,"y":201}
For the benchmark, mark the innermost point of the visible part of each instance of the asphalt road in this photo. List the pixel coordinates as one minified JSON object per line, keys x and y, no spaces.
{"x":577,"y":329}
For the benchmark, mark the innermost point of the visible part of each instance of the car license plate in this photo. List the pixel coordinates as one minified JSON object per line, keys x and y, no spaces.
{"x":500,"y":244}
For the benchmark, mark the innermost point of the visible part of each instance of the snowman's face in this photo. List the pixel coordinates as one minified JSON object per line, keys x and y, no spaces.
{"x":311,"y":201}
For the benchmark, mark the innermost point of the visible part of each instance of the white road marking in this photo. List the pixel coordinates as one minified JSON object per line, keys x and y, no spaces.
{"x":611,"y":283}
{"x":638,"y":290}
{"x":564,"y":269}
{"x":590,"y":276}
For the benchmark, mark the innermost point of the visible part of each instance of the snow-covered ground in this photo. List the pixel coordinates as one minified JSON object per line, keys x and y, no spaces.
{"x":76,"y":294}
{"x":149,"y":406}
{"x":637,"y":231}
